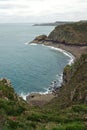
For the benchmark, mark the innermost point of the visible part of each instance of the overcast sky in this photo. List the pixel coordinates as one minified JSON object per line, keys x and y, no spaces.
{"x":42,"y":10}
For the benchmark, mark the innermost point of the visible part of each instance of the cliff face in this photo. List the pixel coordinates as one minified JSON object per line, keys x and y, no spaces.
{"x":74,"y":33}
{"x":74,"y":87}
{"x":75,"y":78}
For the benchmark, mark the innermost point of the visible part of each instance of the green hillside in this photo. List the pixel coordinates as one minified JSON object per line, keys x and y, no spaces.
{"x":68,"y":111}
{"x":74,"y":33}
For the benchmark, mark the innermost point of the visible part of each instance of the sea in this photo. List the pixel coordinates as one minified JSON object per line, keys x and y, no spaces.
{"x":30,"y":67}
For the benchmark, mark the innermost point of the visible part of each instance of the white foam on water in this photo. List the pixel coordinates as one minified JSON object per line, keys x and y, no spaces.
{"x":57,"y":49}
{"x":23,"y":95}
{"x":72,"y":58}
{"x":47,"y":91}
{"x":26,"y":43}
{"x":59,"y":79}
{"x":33,"y":44}
{"x":42,"y":44}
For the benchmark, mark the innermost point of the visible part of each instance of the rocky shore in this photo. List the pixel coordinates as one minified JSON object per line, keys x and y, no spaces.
{"x":42,"y":99}
{"x":68,"y":38}
{"x":75,"y":50}
{"x":37,"y":99}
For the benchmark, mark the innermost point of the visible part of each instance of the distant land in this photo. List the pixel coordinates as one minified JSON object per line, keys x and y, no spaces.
{"x":52,"y":24}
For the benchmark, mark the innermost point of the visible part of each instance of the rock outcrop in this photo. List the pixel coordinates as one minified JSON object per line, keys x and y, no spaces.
{"x":39,"y":39}
{"x":37,"y":99}
{"x":6,"y":82}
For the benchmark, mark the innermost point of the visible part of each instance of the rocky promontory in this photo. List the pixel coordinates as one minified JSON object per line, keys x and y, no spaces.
{"x":40,"y":39}
{"x":67,"y":34}
{"x":71,"y":37}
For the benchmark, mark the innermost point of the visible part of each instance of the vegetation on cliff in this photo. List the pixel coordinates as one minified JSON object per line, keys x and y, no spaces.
{"x":67,"y":111}
{"x":74,"y":33}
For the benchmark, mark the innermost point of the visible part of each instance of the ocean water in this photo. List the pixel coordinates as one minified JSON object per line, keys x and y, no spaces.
{"x":31,"y":68}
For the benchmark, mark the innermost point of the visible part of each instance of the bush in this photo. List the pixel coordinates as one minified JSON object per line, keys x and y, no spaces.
{"x":12,"y":124}
{"x":34,"y":117}
{"x":32,"y":125}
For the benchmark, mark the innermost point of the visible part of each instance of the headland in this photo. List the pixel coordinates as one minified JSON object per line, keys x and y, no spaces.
{"x":69,"y":37}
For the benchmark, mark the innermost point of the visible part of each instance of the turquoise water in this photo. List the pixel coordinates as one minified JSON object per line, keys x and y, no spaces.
{"x":31,"y":68}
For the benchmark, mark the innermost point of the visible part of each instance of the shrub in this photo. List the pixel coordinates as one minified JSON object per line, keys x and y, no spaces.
{"x":12,"y":124}
{"x":33,"y":125}
{"x":34,"y":117}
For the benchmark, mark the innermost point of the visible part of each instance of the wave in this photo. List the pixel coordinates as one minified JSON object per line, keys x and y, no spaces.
{"x":26,"y":43}
{"x":72,"y":58}
{"x":43,"y":45}
{"x":23,"y":95}
{"x":59,"y":79}
{"x":33,"y":44}
{"x":48,"y":90}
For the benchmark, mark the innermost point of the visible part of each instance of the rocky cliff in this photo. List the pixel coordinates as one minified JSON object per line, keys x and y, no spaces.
{"x":74,"y":33}
{"x":75,"y":78}
{"x":74,"y":87}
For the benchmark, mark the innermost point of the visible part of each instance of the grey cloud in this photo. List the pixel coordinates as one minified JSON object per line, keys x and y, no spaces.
{"x":11,"y":6}
{"x":5,"y":7}
{"x":6,"y":0}
{"x":76,"y":16}
{"x":83,"y":1}
{"x":36,"y":0}
{"x":78,"y":12}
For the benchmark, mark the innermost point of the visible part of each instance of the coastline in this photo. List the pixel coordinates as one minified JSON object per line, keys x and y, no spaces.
{"x":40,"y":99}
{"x":76,"y":51}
